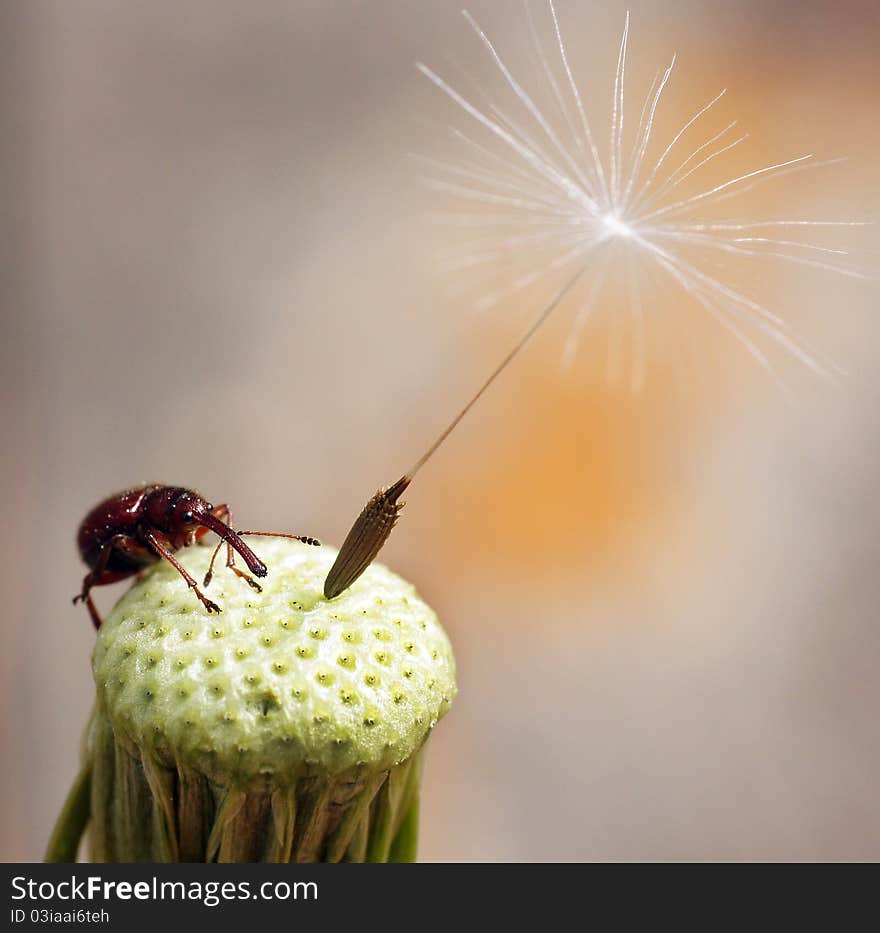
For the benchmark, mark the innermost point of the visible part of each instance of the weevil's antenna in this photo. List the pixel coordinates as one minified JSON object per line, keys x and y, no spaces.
{"x":379,"y":516}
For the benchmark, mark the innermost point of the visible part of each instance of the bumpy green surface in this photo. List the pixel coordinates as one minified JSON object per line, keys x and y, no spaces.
{"x":280,"y":684}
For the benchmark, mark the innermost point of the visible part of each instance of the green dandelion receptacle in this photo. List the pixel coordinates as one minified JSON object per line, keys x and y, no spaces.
{"x":286,"y":728}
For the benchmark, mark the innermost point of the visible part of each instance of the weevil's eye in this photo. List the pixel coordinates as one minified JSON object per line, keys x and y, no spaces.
{"x":188,"y":516}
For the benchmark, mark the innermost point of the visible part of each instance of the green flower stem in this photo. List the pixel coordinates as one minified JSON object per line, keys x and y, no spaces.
{"x":72,"y":820}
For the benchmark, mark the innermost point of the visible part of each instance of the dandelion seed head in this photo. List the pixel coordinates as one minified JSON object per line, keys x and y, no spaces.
{"x":548,"y":187}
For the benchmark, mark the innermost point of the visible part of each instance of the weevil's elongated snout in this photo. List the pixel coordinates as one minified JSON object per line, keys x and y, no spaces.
{"x":369,"y":532}
{"x":255,"y":565}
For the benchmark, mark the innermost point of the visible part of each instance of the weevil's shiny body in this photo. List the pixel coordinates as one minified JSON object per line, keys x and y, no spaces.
{"x":132,"y":529}
{"x":166,"y":511}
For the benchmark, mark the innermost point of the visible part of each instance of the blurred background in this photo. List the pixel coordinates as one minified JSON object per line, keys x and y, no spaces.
{"x":218,"y":272}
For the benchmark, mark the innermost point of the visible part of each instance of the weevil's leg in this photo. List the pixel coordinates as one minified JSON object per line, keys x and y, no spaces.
{"x":93,"y":611}
{"x":163,"y":551}
{"x":210,"y":574}
{"x":89,"y":581}
{"x":230,"y":551}
{"x":221,"y":512}
{"x":95,"y":578}
{"x":230,"y":563}
{"x":224,"y":514}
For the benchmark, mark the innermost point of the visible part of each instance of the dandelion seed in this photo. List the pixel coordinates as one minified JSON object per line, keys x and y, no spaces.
{"x":554,"y":192}
{"x":550,"y":189}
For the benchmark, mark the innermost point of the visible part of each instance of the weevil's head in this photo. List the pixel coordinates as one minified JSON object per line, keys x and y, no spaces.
{"x":176,"y":512}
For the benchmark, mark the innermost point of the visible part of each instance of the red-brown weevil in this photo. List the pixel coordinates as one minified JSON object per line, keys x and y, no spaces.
{"x":133,"y":529}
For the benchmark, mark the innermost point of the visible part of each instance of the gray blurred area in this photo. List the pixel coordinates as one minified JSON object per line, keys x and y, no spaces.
{"x":217,"y":272}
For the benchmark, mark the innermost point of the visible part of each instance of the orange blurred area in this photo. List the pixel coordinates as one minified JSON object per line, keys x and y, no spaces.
{"x":225,"y":275}
{"x":573,"y":472}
